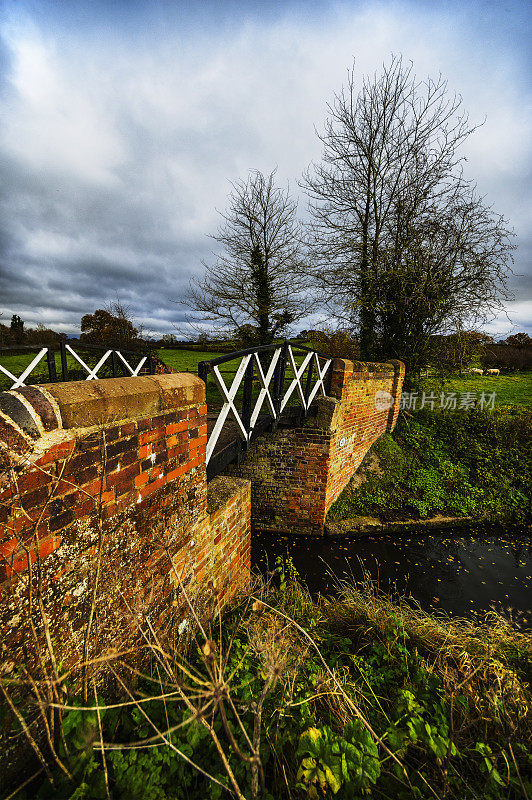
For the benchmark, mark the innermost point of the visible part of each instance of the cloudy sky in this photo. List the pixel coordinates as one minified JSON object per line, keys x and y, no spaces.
{"x":124,"y":122}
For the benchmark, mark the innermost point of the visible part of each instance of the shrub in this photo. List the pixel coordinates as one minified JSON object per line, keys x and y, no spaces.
{"x":336,"y":344}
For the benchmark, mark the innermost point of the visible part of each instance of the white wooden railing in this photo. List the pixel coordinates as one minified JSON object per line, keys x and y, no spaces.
{"x":267,"y":367}
{"x":115,"y":358}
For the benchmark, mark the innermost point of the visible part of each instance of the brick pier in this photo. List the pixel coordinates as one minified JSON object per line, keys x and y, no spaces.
{"x":109,"y":476}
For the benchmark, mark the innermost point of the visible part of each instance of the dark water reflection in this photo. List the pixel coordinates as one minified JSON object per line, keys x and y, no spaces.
{"x":461,"y":573}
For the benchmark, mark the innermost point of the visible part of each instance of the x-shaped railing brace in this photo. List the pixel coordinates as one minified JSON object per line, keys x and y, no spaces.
{"x":229,"y":394}
{"x":20,"y":380}
{"x":93,"y":373}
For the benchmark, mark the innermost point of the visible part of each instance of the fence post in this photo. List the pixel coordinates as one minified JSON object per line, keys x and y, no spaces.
{"x":64,"y":366}
{"x":202,"y":371}
{"x":50,"y":358}
{"x":151,"y":365}
{"x":247,"y":395}
{"x":114,"y":363}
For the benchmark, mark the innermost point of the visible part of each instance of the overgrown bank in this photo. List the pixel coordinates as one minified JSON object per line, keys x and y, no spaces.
{"x":464,"y":463}
{"x":289,"y":698}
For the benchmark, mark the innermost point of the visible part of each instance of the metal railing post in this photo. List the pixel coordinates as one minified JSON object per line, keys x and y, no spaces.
{"x":50,"y":358}
{"x":247,"y":396}
{"x":64,"y":365}
{"x":203,"y":371}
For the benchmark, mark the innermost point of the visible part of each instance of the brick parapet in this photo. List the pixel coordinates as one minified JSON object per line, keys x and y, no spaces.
{"x":368,"y":405}
{"x":111,"y":472}
{"x":228,"y":547}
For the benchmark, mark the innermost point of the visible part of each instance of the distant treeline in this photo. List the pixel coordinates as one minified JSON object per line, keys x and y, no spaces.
{"x":17,"y":334}
{"x":113,"y":327}
{"x":507,"y":357}
{"x":208,"y":346}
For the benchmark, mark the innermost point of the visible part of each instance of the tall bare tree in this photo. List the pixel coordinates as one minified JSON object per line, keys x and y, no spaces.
{"x":404,"y":246}
{"x":446,"y":272}
{"x":255,"y":289}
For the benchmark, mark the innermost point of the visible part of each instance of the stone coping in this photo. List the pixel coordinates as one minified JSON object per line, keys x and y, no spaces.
{"x":393,"y":367}
{"x":32,"y":411}
{"x":85,"y":403}
{"x":222,"y":489}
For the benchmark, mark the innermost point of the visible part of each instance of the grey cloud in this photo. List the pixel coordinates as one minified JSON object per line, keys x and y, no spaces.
{"x":114,"y":162}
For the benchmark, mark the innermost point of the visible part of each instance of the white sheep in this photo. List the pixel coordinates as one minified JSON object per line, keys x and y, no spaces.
{"x":493,"y":372}
{"x":476,"y":371}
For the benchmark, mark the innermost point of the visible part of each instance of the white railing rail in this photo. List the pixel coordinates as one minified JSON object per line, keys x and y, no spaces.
{"x":117,"y":360}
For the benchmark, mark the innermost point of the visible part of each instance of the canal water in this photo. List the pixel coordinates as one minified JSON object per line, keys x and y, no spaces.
{"x":461,"y":573}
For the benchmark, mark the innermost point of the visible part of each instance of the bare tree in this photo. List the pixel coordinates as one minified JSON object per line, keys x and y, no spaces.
{"x":404,"y":246}
{"x":446,"y":272}
{"x":255,"y":288}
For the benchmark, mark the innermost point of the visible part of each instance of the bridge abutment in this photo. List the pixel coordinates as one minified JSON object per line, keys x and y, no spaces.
{"x":297,"y":473}
{"x":106,"y":480}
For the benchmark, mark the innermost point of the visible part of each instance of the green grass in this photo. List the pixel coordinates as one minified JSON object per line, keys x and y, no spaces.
{"x":461,"y":463}
{"x":512,"y":389}
{"x":187,"y":360}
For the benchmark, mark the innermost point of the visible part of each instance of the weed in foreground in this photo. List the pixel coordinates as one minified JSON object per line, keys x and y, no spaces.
{"x":279,"y":696}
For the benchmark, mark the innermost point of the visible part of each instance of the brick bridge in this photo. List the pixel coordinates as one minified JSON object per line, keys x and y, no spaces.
{"x":108,"y":478}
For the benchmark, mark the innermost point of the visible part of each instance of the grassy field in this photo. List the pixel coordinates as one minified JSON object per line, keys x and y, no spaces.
{"x":511,"y":389}
{"x":180,"y":360}
{"x":188,"y":360}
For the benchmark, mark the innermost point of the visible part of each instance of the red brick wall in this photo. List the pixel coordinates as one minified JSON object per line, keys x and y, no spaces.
{"x":227,"y":550}
{"x":361,"y":416}
{"x":297,"y":473}
{"x":288,"y":471}
{"x":104,"y":483}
